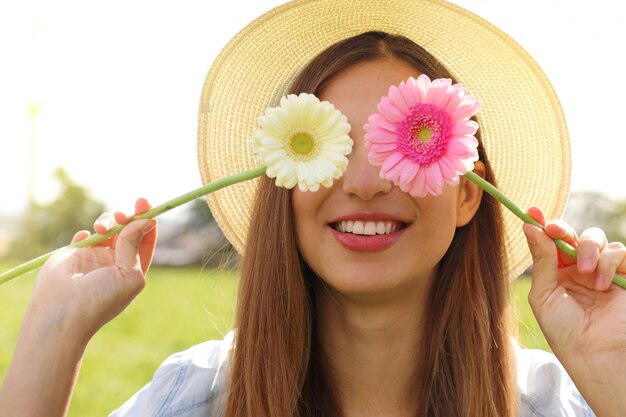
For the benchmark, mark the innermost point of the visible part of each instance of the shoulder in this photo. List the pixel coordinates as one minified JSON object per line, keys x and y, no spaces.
{"x":187,"y":384}
{"x":546,"y":389}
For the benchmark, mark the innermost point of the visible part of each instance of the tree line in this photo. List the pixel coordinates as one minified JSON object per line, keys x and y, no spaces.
{"x":45,"y":227}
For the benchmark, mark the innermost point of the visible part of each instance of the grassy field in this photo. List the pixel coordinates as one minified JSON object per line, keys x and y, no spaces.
{"x":179,"y":308}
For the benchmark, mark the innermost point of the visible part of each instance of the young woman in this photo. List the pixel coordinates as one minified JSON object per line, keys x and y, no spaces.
{"x":411,"y":322}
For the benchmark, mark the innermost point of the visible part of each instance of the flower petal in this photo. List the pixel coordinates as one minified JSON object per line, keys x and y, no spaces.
{"x":421,"y":85}
{"x":465,"y":128}
{"x":397,"y":98}
{"x":435,"y":179}
{"x":448,"y":170}
{"x":392,"y":166}
{"x":303,"y":114}
{"x":466,"y":109}
{"x":410,"y":92}
{"x":389,"y":111}
{"x":422,"y":137}
{"x":418,"y":187}
{"x":437,"y":93}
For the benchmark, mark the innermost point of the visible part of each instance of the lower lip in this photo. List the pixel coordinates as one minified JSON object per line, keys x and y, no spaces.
{"x":366,"y":243}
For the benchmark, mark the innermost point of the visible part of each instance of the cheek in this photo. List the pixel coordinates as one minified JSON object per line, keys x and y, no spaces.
{"x":309,"y":214}
{"x":308,"y":206}
{"x":439,"y":217}
{"x":305,"y":208}
{"x":299,"y":204}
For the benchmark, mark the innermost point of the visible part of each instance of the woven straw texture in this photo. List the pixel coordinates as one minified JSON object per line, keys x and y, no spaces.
{"x":521,"y":121}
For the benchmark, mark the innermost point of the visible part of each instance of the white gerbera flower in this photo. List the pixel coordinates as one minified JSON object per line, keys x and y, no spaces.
{"x":303,"y":141}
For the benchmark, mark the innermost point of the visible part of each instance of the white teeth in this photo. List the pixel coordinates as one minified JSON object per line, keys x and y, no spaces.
{"x":358,"y":227}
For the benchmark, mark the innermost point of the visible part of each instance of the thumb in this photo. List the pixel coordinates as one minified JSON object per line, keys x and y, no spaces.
{"x":545,"y":263}
{"x":128,"y":243}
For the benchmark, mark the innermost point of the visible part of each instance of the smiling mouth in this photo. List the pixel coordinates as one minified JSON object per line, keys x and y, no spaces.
{"x":368,"y":228}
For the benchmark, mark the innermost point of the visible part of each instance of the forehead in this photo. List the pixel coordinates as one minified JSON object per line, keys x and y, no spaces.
{"x":357,"y":89}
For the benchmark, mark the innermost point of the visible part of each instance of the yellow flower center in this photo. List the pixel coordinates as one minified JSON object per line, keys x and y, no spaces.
{"x":302,"y":145}
{"x":424,"y":134}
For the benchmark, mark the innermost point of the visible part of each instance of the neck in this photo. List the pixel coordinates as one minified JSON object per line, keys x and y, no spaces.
{"x":373,"y":347}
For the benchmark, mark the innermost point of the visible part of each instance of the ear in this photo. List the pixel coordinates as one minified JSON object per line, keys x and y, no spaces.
{"x":470,"y":196}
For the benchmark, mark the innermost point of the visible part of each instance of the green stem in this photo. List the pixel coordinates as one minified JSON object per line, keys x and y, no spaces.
{"x":497,"y":194}
{"x":155,"y":211}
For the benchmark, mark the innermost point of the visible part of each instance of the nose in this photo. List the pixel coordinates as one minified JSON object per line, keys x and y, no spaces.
{"x":361,"y":178}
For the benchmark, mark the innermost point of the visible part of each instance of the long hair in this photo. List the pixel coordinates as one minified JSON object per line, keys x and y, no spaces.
{"x":277,"y":366}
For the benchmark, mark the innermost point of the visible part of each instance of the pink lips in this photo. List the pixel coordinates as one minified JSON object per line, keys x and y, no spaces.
{"x":367,"y":243}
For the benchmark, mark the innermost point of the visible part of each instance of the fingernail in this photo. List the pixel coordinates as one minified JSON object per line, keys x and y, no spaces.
{"x":586,"y":264}
{"x":599,"y":285}
{"x":106,"y":223}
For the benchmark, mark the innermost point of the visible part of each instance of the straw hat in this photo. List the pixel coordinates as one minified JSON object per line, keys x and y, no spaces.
{"x":521,"y":122}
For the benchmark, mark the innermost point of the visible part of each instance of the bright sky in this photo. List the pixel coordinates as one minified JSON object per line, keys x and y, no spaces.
{"x":117,"y":85}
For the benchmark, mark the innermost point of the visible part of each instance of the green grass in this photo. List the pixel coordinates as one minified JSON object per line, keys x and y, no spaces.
{"x":179,"y":308}
{"x":529,"y":333}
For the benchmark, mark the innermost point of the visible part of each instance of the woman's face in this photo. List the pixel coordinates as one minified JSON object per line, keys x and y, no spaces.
{"x":417,"y":232}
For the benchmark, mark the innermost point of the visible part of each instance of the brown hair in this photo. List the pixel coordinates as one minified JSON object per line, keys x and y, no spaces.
{"x":277,"y":365}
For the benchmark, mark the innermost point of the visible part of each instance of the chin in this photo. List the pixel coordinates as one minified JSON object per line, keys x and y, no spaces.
{"x":373,"y":285}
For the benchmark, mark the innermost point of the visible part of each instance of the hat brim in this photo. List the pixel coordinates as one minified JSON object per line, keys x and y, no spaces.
{"x":521,"y":121}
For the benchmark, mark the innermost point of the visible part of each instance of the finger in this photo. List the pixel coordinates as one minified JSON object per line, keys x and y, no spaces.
{"x":545,"y":264}
{"x":122,"y":218}
{"x":129,"y":242}
{"x":612,"y":260}
{"x":621,"y":268}
{"x":80,"y":235}
{"x":558,"y":229}
{"x":142,"y":205}
{"x":592,"y":242}
{"x":537,"y":214}
{"x":146,"y":249}
{"x":104,"y":223}
{"x":148,"y":243}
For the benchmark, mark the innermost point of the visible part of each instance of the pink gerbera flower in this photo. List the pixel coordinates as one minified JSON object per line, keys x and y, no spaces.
{"x":422,"y":135}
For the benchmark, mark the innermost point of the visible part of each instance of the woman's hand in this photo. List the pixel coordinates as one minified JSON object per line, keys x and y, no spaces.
{"x":76,"y":292}
{"x":582,"y":315}
{"x":83,"y":288}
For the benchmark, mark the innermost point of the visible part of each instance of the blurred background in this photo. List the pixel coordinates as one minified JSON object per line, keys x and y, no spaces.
{"x":98,"y":106}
